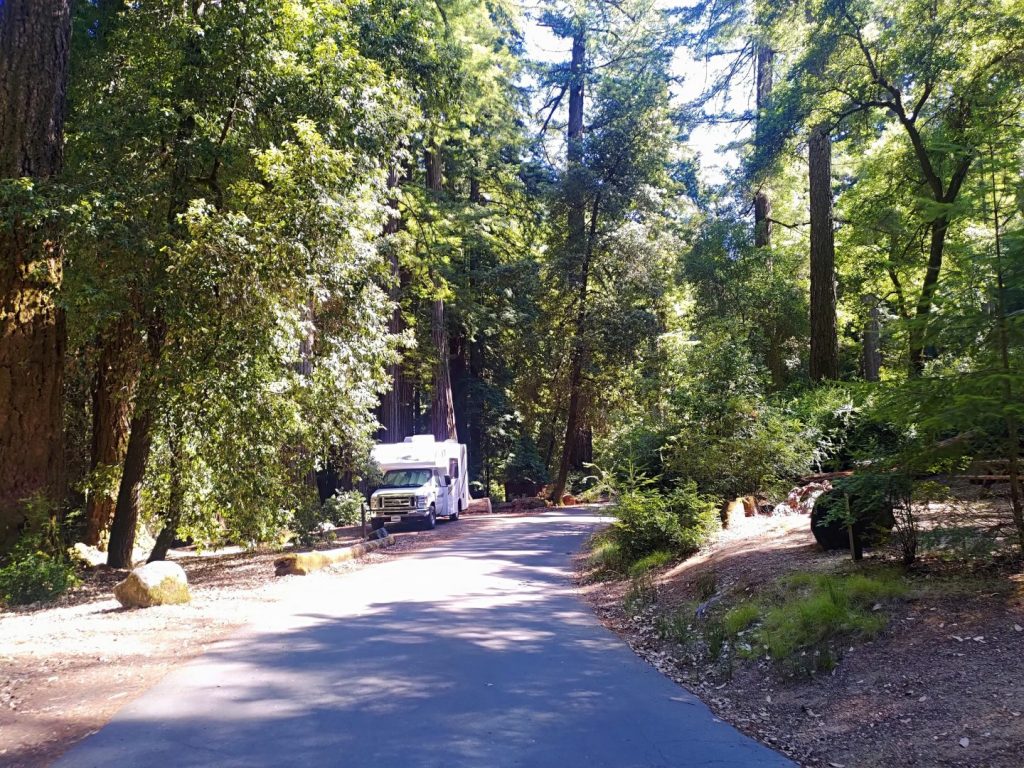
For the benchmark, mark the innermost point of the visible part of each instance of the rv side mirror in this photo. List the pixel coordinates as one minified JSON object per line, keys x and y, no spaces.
{"x":447,"y":479}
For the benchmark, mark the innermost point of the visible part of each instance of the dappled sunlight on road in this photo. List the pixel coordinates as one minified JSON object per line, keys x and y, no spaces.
{"x":474,"y":652}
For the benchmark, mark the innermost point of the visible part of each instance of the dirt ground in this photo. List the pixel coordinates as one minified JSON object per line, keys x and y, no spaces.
{"x":942,"y":686}
{"x":66,"y":668}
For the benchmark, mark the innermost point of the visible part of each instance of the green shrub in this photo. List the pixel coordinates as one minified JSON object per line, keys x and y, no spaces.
{"x":698,"y":516}
{"x":344,"y":508}
{"x":31,"y":575}
{"x":678,"y":522}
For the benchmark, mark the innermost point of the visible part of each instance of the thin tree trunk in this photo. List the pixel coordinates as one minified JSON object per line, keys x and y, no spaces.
{"x":762,"y":201}
{"x":35,"y":38}
{"x":1010,"y":417}
{"x":126,"y":516}
{"x":824,"y":361}
{"x":113,"y":388}
{"x":872,"y":356}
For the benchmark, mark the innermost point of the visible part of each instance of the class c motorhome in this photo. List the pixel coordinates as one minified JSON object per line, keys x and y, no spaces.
{"x":423,"y":479}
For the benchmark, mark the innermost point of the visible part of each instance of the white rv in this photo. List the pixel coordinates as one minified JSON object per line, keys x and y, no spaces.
{"x":424,"y":479}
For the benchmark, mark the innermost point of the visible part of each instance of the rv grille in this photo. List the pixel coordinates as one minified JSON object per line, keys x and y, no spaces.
{"x":396,"y":502}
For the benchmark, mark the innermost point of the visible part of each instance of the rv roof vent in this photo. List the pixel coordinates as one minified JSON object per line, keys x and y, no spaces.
{"x":420,"y":439}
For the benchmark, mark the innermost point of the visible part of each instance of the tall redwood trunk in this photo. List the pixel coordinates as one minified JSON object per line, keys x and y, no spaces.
{"x":113,"y":388}
{"x":442,"y":406}
{"x":577,"y":246}
{"x":396,"y":410}
{"x":35,"y":38}
{"x":824,"y":360}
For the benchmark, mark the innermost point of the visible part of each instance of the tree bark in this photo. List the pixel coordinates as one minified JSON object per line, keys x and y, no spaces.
{"x":126,"y":516}
{"x":442,"y":408}
{"x":872,"y":358}
{"x":824,"y":362}
{"x":113,"y":388}
{"x":35,"y":38}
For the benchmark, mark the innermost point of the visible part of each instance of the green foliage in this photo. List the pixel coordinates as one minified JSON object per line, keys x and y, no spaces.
{"x":30,"y":576}
{"x":38,"y":567}
{"x":678,"y":522}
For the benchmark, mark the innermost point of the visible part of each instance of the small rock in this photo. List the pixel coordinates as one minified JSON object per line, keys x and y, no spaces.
{"x":158,"y":583}
{"x":1018,"y":628}
{"x":965,"y":742}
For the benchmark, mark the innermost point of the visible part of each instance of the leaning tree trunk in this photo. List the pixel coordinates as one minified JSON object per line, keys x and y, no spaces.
{"x":35,"y":37}
{"x":113,"y":387}
{"x":919,"y":328}
{"x":126,"y":516}
{"x":824,"y":362}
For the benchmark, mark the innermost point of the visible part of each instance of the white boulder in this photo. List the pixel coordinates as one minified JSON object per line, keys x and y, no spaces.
{"x":157,"y":583}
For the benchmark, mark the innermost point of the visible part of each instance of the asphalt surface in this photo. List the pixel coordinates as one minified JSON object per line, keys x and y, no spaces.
{"x":472,"y":652}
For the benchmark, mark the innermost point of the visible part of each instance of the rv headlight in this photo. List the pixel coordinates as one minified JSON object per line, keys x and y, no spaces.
{"x":421,"y":502}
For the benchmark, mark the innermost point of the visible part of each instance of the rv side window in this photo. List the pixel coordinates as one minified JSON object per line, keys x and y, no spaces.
{"x":453,"y":467}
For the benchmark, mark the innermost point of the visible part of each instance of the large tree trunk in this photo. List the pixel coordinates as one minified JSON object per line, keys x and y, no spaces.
{"x":576,"y":223}
{"x":35,"y":37}
{"x":396,"y":410}
{"x":113,"y":387}
{"x":762,"y":202}
{"x":442,"y":408}
{"x":824,"y":362}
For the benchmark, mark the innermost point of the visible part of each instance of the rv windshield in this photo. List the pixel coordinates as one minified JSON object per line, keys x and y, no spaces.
{"x":405,"y":478}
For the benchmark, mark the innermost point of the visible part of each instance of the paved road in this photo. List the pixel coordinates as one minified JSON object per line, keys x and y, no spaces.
{"x":471,"y":653}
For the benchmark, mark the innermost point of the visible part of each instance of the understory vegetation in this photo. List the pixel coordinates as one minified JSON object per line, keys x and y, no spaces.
{"x":801,"y":623}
